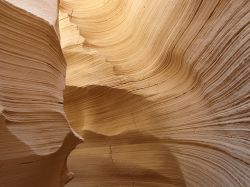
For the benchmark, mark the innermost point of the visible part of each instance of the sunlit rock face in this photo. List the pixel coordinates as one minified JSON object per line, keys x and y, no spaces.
{"x":159,"y":90}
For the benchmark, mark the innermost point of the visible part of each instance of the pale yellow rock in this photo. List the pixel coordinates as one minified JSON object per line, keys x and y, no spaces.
{"x":159,"y":89}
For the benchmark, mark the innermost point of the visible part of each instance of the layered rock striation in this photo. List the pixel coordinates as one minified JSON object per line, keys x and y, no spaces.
{"x":35,"y":135}
{"x":158,"y":89}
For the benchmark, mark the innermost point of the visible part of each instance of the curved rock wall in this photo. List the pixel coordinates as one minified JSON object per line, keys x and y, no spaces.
{"x":159,"y":90}
{"x":35,"y":138}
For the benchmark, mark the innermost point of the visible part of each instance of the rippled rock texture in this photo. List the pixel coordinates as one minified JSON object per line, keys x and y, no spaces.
{"x":35,"y":137}
{"x":159,"y":89}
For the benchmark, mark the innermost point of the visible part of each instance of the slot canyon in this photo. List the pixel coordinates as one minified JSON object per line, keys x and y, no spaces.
{"x":124,"y":93}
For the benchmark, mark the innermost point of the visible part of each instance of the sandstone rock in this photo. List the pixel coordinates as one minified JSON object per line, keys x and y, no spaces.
{"x":35,"y":136}
{"x":158,"y":89}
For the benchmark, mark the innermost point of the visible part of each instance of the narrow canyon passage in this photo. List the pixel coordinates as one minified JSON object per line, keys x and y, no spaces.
{"x":158,"y":90}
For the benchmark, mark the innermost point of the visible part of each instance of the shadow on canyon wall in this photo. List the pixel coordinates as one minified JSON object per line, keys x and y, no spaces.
{"x":119,"y":149}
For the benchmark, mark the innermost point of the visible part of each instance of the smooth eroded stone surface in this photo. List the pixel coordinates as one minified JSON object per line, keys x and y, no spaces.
{"x":35,"y":136}
{"x":159,"y":90}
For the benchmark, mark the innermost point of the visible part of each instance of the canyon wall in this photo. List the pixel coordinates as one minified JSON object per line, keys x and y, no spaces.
{"x":159,"y":90}
{"x":35,"y":135}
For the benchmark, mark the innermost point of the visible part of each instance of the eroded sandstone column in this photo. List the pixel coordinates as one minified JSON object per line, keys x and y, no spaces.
{"x":35,"y":138}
